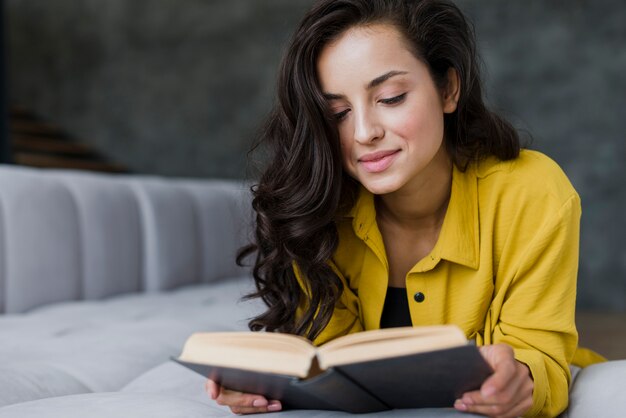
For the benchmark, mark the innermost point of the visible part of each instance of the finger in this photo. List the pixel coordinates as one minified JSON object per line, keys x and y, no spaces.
{"x":504,"y":364}
{"x":502,"y":411}
{"x":502,"y":405}
{"x":246,"y":403}
{"x":272,"y":406}
{"x":233,"y":398}
{"x":493,"y":395}
{"x":497,"y":383}
{"x":472,"y":400}
{"x":469,"y":398}
{"x":488,"y":410}
{"x":521,"y":408}
{"x":511,"y":394}
{"x":526,"y":392}
{"x":212,"y":388}
{"x":518,"y":388}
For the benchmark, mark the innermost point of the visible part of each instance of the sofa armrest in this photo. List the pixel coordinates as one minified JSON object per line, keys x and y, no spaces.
{"x":72,"y":235}
{"x":599,"y":391}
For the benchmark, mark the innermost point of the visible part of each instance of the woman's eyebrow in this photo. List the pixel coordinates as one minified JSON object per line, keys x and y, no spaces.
{"x":381,"y":79}
{"x":331,"y":96}
{"x":372,"y":84}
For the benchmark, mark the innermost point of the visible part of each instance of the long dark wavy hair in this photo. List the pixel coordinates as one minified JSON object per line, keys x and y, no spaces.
{"x":304,"y":187}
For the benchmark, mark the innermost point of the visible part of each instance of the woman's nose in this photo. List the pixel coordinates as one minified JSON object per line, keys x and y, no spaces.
{"x":367,"y":128}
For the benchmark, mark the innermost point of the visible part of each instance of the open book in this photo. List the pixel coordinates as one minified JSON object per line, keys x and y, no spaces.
{"x":363,"y":372}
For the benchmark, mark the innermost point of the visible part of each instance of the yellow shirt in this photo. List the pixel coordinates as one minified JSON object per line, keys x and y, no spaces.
{"x":503,"y":269}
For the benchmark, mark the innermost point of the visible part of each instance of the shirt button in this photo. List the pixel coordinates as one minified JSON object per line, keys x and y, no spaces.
{"x":419,"y":297}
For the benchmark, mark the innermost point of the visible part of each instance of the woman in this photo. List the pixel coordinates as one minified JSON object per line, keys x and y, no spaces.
{"x":394,"y":197}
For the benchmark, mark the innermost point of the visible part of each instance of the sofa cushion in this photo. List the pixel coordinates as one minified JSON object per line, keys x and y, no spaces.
{"x":98,"y":346}
{"x":116,"y":404}
{"x":109,"y":221}
{"x":31,"y":380}
{"x":171,"y":391}
{"x":599,"y":391}
{"x":224,"y":221}
{"x":36,"y":246}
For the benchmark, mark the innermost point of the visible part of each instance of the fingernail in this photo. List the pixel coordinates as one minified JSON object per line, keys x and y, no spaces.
{"x":259,"y":402}
{"x":458,"y":404}
{"x":274,"y":406}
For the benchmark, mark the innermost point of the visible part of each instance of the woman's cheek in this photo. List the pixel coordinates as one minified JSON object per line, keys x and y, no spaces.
{"x":421,"y":126}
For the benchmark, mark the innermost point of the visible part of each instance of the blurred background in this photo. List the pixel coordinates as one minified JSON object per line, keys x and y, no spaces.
{"x":178,"y":88}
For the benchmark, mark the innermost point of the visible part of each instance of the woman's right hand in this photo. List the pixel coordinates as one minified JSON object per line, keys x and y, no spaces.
{"x":241,"y":403}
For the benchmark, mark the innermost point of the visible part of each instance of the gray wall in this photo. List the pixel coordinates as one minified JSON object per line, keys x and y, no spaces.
{"x":179,"y":87}
{"x":163,"y":86}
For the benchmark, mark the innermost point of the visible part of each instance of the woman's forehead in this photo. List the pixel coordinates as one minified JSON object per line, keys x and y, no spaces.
{"x":362,"y":54}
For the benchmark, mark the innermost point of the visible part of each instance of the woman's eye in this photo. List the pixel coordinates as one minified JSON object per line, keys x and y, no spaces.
{"x":394,"y":100}
{"x":341,"y":115}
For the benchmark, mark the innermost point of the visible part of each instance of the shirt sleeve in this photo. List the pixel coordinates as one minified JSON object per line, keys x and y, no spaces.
{"x":345,"y":318}
{"x":533,"y":309}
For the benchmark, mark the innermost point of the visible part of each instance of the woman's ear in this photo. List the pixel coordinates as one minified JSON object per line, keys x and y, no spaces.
{"x":452,"y":91}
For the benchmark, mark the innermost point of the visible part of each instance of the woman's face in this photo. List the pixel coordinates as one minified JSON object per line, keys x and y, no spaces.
{"x":388,"y":111}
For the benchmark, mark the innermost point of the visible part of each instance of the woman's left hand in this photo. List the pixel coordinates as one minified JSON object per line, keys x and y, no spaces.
{"x":507,"y":393}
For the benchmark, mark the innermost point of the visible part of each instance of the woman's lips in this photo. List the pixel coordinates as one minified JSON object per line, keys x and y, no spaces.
{"x":378,"y":161}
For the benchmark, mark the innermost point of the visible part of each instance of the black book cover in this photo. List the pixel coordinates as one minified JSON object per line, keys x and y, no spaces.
{"x":330,"y":390}
{"x":422,"y":380}
{"x":425,"y":380}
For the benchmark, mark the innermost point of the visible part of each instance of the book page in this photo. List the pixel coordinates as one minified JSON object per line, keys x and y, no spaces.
{"x":385,"y":343}
{"x":256,"y":351}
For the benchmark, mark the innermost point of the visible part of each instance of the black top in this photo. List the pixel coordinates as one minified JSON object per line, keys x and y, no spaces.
{"x":396,"y":309}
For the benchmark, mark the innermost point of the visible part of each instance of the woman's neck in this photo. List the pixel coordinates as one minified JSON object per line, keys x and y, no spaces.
{"x":422,"y":203}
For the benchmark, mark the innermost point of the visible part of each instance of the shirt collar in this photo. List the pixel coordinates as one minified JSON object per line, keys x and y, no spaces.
{"x":363,"y":213}
{"x":459,"y":237}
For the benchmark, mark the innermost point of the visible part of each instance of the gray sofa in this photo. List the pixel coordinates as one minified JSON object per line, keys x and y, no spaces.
{"x":102,"y":278}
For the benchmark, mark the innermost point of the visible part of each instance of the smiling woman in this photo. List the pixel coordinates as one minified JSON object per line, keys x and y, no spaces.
{"x":401,"y":106}
{"x":391,"y":131}
{"x":394,"y":196}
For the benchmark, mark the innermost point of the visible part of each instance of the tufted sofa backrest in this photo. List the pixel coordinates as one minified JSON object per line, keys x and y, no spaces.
{"x":71,"y":235}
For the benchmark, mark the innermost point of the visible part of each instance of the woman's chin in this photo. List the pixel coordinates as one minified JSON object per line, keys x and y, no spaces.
{"x":381,"y":186}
